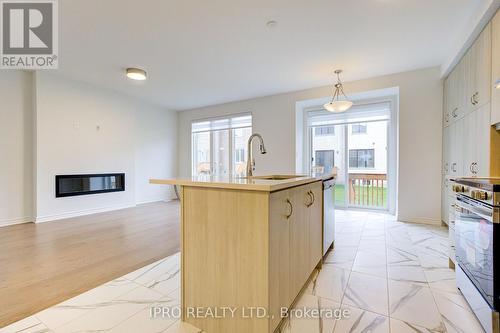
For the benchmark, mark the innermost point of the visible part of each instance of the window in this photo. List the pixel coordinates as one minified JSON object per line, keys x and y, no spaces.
{"x":324,"y":130}
{"x":362,"y":158}
{"x":219,"y":145}
{"x":239,"y":155}
{"x":358,"y":129}
{"x":324,"y":160}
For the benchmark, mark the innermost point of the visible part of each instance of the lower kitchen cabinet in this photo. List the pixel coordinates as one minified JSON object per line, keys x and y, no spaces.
{"x":248,"y":249}
{"x":295,"y":217}
{"x":315,"y":212}
{"x":280,"y":294}
{"x":445,"y":200}
{"x":299,"y":239}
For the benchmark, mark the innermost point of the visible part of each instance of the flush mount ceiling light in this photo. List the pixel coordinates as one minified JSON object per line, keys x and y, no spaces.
{"x":271,"y":24}
{"x":337,"y":105}
{"x":497,"y":84}
{"x":136,"y":74}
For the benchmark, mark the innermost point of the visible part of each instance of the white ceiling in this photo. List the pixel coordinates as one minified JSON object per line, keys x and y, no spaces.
{"x":202,"y":52}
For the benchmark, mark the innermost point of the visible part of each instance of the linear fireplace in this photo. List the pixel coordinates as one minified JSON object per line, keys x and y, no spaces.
{"x":72,"y":185}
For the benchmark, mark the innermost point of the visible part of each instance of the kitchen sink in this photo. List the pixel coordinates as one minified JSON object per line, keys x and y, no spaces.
{"x":276,"y":177}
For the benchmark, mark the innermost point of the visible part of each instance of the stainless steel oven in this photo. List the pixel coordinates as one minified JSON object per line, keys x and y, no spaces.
{"x":477,"y":237}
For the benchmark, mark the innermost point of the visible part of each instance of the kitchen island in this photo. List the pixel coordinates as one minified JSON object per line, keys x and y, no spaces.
{"x":248,"y":248}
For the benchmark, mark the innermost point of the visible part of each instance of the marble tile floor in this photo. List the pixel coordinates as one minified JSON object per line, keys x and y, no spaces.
{"x":388,"y":276}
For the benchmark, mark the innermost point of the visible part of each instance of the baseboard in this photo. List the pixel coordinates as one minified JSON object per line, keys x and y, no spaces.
{"x":421,"y":220}
{"x":20,"y":220}
{"x":48,"y":218}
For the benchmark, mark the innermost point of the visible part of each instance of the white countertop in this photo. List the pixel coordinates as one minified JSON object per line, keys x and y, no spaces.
{"x":243,"y":183}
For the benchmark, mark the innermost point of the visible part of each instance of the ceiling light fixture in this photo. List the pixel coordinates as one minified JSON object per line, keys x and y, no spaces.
{"x":497,"y":84}
{"x":271,"y":24}
{"x":337,"y":105}
{"x":136,"y":74}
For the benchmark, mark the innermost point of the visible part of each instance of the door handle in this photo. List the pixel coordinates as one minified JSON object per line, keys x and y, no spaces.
{"x":481,"y":212}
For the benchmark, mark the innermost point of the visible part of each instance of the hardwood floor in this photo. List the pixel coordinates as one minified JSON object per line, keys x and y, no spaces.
{"x":44,"y":264}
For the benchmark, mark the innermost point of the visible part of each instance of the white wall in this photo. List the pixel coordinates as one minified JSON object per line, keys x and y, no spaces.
{"x":420,"y":126}
{"x":16,"y":147}
{"x":84,"y":129}
{"x":155,"y":153}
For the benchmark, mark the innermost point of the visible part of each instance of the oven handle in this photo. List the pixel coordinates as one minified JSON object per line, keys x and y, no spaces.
{"x":476,"y":210}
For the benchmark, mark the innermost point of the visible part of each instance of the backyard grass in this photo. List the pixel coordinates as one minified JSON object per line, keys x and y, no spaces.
{"x":365,"y":191}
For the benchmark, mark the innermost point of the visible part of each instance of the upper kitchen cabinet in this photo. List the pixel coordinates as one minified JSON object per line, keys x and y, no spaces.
{"x":478,"y":71}
{"x":447,"y":100}
{"x":475,"y":143}
{"x":495,"y":78}
{"x":454,"y":93}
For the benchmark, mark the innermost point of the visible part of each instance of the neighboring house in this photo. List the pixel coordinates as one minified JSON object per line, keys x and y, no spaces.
{"x":367,"y":148}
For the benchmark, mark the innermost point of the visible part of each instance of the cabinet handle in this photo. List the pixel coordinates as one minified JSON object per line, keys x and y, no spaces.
{"x":313,"y":197}
{"x":476,"y":97}
{"x":291,"y":208}
{"x":446,"y":167}
{"x":454,"y":112}
{"x":453,"y":167}
{"x":311,"y":200}
{"x":473,"y":99}
{"x":475,"y":168}
{"x":447,"y":118}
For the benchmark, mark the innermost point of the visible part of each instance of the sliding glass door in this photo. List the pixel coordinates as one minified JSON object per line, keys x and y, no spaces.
{"x":356,"y":144}
{"x":328,"y":153}
{"x":367,"y":167}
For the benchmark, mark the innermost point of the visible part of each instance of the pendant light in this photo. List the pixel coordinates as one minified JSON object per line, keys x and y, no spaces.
{"x":337,"y":105}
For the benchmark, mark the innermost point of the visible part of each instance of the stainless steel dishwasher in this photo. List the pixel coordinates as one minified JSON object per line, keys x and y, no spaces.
{"x":328,"y":214}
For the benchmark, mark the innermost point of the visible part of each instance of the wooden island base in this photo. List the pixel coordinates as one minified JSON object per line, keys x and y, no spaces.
{"x":247,"y":253}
